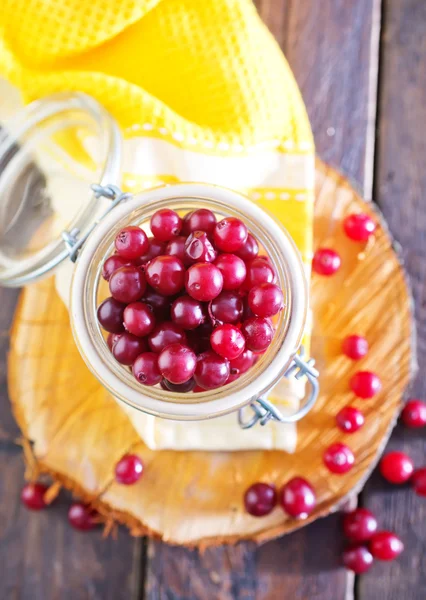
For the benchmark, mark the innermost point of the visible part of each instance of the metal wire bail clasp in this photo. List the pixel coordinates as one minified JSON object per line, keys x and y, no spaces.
{"x":264,"y":411}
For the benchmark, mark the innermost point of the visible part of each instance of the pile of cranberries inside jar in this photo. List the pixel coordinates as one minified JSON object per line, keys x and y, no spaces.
{"x":190,"y":307}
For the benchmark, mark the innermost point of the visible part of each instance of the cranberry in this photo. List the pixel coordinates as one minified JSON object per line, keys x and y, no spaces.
{"x":355,"y":346}
{"x":127,"y":348}
{"x":203,"y":281}
{"x":177,"y":363}
{"x":338,"y":458}
{"x":127,"y":284}
{"x":242,"y":363}
{"x":227,"y":341}
{"x":249,"y":250}
{"x":131,"y":242}
{"x":326,"y":261}
{"x":357,"y":558}
{"x":414,"y":414}
{"x":359,"y":227}
{"x":365,"y":384}
{"x":396,"y":467}
{"x":156,"y":248}
{"x":166,"y":274}
{"x":164,"y":334}
{"x":32,"y":495}
{"x":259,"y":271}
{"x":111,"y":264}
{"x":258,"y":333}
{"x":199,"y":220}
{"x":82,"y":517}
{"x":199,"y":339}
{"x":198,"y":248}
{"x":385,"y":545}
{"x":110,"y":315}
{"x":145,"y":368}
{"x":418,"y":481}
{"x":212,"y":371}
{"x":165,"y":224}
{"x":112,"y":339}
{"x":350,"y":419}
{"x":160,"y":305}
{"x":129,"y":469}
{"x":187,"y":312}
{"x":260,"y":499}
{"x":359,"y":525}
{"x":176,"y":247}
{"x":181,"y":388}
{"x":233,"y":271}
{"x":266,"y":300}
{"x":226,"y":308}
{"x":230,"y":234}
{"x":297,"y":498}
{"x":197,"y":389}
{"x":139,"y":319}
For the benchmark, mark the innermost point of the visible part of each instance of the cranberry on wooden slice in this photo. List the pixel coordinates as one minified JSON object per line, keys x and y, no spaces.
{"x":212,"y":371}
{"x":338,"y":458}
{"x":233,"y":271}
{"x":111,"y":264}
{"x":242,"y":363}
{"x":166,"y":274}
{"x":82,"y":517}
{"x":258,"y":333}
{"x":249,"y":250}
{"x":227,"y":341}
{"x":145,"y":369}
{"x":165,"y":224}
{"x":164,"y":334}
{"x":359,"y":227}
{"x":355,"y":346}
{"x":127,"y":348}
{"x":187,"y":312}
{"x":203,"y":281}
{"x":359,"y":525}
{"x":297,"y":498}
{"x":365,"y":384}
{"x":260,"y":499}
{"x":177,"y":363}
{"x":198,"y":248}
{"x":156,"y":248}
{"x":176,"y":247}
{"x":131,"y":242}
{"x":396,"y":467}
{"x":199,"y":220}
{"x":32,"y":495}
{"x":326,"y":262}
{"x":414,"y":414}
{"x":230,"y":234}
{"x":127,"y":284}
{"x":226,"y":308}
{"x":139,"y":319}
{"x":418,"y":481}
{"x":349,"y":419}
{"x":265,"y":300}
{"x":258,"y":271}
{"x":385,"y":545}
{"x":129,"y":469}
{"x":357,"y":558}
{"x":110,"y":315}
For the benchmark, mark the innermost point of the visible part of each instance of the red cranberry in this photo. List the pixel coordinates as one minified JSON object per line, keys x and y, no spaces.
{"x":249,"y":250}
{"x":156,"y":248}
{"x":110,"y":315}
{"x":260,"y":499}
{"x":227,"y":341}
{"x":418,"y":481}
{"x":127,"y":348}
{"x":199,"y":220}
{"x":145,"y":368}
{"x":357,"y":559}
{"x":198,"y":248}
{"x":177,"y":363}
{"x":187,"y":312}
{"x":385,"y":545}
{"x":165,"y":224}
{"x":414,"y":414}
{"x":212,"y":371}
{"x":180,"y":388}
{"x":127,"y":284}
{"x":139,"y":319}
{"x":32,"y":495}
{"x":160,"y":305}
{"x":199,"y":339}
{"x":226,"y":308}
{"x":297,"y":498}
{"x":111,"y":264}
{"x":266,"y":300}
{"x":129,"y":469}
{"x":82,"y":517}
{"x":258,"y":333}
{"x":176,"y":247}
{"x":131,"y":242}
{"x":326,"y":261}
{"x":166,"y":274}
{"x":164,"y":334}
{"x":359,"y":227}
{"x":197,"y":389}
{"x":355,"y":346}
{"x":112,"y":339}
{"x":359,"y":525}
{"x":396,"y":467}
{"x":258,"y":271}
{"x":365,"y":384}
{"x":230,"y":234}
{"x":203,"y":281}
{"x":233,"y":271}
{"x":350,"y":419}
{"x":242,"y":363}
{"x":338,"y":458}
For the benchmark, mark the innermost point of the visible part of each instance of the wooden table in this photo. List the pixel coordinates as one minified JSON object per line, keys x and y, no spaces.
{"x":361,"y":67}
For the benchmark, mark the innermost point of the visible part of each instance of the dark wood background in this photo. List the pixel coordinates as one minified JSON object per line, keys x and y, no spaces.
{"x":361,"y":68}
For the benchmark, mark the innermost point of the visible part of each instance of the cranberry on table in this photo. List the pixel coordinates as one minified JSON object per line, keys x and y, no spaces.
{"x":259,"y":271}
{"x":385,"y":545}
{"x":187,"y":312}
{"x":230,"y":234}
{"x":110,"y":315}
{"x":326,"y":262}
{"x":227,"y":341}
{"x":198,"y":248}
{"x":82,"y":517}
{"x":355,"y":346}
{"x":233,"y":271}
{"x":396,"y":467}
{"x":177,"y":363}
{"x":297,"y":498}
{"x":365,"y":384}
{"x":266,"y":300}
{"x":242,"y":363}
{"x":166,"y":275}
{"x":129,"y":469}
{"x":32,"y":495}
{"x":338,"y":458}
{"x":127,"y":348}
{"x":127,"y":284}
{"x":359,"y":525}
{"x":165,"y":224}
{"x":176,"y":247}
{"x":111,"y":264}
{"x":258,"y":333}
{"x":249,"y":250}
{"x":260,"y":499}
{"x":156,"y":248}
{"x":357,"y":558}
{"x":145,"y":369}
{"x":203,"y":281}
{"x":164,"y":334}
{"x":199,"y":220}
{"x":131,"y":242}
{"x":359,"y":227}
{"x":112,"y":339}
{"x":226,"y":308}
{"x":159,"y":304}
{"x":349,"y":419}
{"x":139,"y":319}
{"x":414,"y":414}
{"x":418,"y":481}
{"x":181,"y":388}
{"x":212,"y":371}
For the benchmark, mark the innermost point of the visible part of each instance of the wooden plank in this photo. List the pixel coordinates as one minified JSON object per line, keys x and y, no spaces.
{"x":333,"y":50}
{"x":400,"y":185}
